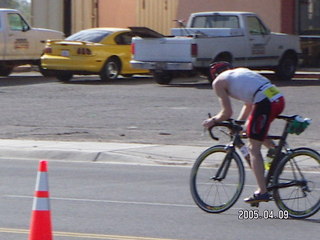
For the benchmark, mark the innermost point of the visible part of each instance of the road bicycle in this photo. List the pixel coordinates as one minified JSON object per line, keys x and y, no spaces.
{"x":293,"y":180}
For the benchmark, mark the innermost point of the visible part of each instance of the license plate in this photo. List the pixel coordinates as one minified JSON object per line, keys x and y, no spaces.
{"x":65,"y":53}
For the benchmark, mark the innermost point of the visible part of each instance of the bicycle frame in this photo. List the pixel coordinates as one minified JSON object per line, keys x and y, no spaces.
{"x":236,"y":141}
{"x":277,"y":158}
{"x":214,"y":192}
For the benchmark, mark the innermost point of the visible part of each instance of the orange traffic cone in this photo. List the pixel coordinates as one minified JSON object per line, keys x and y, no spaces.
{"x":40,"y":227}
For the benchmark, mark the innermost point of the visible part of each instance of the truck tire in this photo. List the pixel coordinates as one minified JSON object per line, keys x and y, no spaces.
{"x":163,"y":77}
{"x":287,"y":67}
{"x":110,"y":70}
{"x":5,"y":70}
{"x":63,"y":76}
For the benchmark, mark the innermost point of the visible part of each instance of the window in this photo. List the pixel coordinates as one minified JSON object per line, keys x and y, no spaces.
{"x":124,"y":39}
{"x":215,"y":21}
{"x":91,"y":35}
{"x":309,"y":17}
{"x":256,"y":27}
{"x":17,"y":23}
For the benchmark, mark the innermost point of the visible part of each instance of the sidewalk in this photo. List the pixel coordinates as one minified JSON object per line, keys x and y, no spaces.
{"x":110,"y":152}
{"x":99,"y":152}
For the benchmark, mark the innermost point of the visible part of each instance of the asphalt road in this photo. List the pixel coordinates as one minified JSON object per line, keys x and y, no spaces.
{"x":130,"y":110}
{"x":120,"y":201}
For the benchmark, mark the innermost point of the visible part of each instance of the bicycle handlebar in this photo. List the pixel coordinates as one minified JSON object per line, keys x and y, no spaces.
{"x":236,"y":125}
{"x":232,"y":124}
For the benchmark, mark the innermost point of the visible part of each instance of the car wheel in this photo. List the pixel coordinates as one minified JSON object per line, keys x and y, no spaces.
{"x":46,"y":72}
{"x":110,"y":70}
{"x":63,"y":76}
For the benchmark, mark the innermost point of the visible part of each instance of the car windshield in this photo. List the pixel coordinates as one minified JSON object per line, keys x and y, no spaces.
{"x":91,"y":35}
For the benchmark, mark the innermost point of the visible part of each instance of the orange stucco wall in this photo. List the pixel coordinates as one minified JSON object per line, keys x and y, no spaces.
{"x":277,"y":14}
{"x":119,"y":13}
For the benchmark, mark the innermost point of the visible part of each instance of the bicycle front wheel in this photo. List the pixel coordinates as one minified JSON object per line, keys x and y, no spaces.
{"x":297,"y":183}
{"x":217,"y":179}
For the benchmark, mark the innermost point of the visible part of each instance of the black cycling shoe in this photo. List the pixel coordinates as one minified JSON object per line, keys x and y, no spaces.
{"x":256,"y":198}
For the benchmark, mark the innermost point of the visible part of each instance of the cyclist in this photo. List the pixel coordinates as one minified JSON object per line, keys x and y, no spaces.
{"x":263,"y":102}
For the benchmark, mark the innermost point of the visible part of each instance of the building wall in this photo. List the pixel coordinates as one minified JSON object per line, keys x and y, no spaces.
{"x":83,"y":15}
{"x":47,"y":14}
{"x":50,"y":14}
{"x":289,"y":16}
{"x":279,"y":15}
{"x":268,"y":10}
{"x":155,"y":14}
{"x":120,"y":13}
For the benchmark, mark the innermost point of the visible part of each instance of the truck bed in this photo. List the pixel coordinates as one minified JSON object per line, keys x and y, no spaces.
{"x":175,"y":49}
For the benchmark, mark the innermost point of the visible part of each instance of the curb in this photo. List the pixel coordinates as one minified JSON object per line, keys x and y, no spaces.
{"x":103,"y":152}
{"x":130,"y":153}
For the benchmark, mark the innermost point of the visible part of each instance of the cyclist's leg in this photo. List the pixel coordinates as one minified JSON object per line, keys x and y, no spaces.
{"x":269,"y":143}
{"x":263,"y":114}
{"x":258,"y":126}
{"x":257,"y":164}
{"x":276,"y":108}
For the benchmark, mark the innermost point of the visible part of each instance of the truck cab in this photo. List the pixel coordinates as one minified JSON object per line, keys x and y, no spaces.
{"x":19,"y":42}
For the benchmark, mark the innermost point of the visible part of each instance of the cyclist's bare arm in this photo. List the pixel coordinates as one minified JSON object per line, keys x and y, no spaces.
{"x":220,"y":87}
{"x":245,"y":111}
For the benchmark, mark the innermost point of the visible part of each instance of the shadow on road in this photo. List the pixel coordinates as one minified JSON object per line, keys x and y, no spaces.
{"x":95,"y":80}
{"x":23,"y":80}
{"x":198,"y":82}
{"x":197,"y":85}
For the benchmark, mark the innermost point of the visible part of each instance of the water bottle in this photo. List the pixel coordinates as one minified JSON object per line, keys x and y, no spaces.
{"x":268,"y":159}
{"x":245,"y":152}
{"x":299,"y":125}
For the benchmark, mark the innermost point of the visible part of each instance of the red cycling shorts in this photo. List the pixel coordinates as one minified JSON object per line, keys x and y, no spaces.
{"x":263,"y":113}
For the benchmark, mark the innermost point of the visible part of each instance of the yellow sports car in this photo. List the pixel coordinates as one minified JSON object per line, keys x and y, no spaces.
{"x":102,"y":51}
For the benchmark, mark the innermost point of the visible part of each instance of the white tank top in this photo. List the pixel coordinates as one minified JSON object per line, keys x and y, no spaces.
{"x":243,"y":84}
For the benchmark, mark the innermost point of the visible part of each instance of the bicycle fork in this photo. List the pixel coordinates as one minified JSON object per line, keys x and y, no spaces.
{"x":224,"y":167}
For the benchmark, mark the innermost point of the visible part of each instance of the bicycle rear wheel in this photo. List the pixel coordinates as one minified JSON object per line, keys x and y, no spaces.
{"x":211,"y":191}
{"x":297,"y":182}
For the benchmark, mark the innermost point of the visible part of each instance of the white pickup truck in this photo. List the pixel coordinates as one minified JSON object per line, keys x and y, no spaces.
{"x":20,"y":43}
{"x":237,"y":37}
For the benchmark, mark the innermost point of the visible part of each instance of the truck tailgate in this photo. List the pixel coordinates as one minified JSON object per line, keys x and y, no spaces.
{"x":168,"y":49}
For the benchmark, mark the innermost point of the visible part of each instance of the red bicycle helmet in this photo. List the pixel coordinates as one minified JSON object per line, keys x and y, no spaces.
{"x":218,"y":67}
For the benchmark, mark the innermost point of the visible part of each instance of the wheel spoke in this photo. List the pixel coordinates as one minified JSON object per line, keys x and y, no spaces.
{"x":211,"y":192}
{"x":297,"y":183}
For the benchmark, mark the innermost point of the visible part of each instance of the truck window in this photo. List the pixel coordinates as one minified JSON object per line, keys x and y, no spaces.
{"x":17,"y":23}
{"x":256,"y":27}
{"x":215,"y":21}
